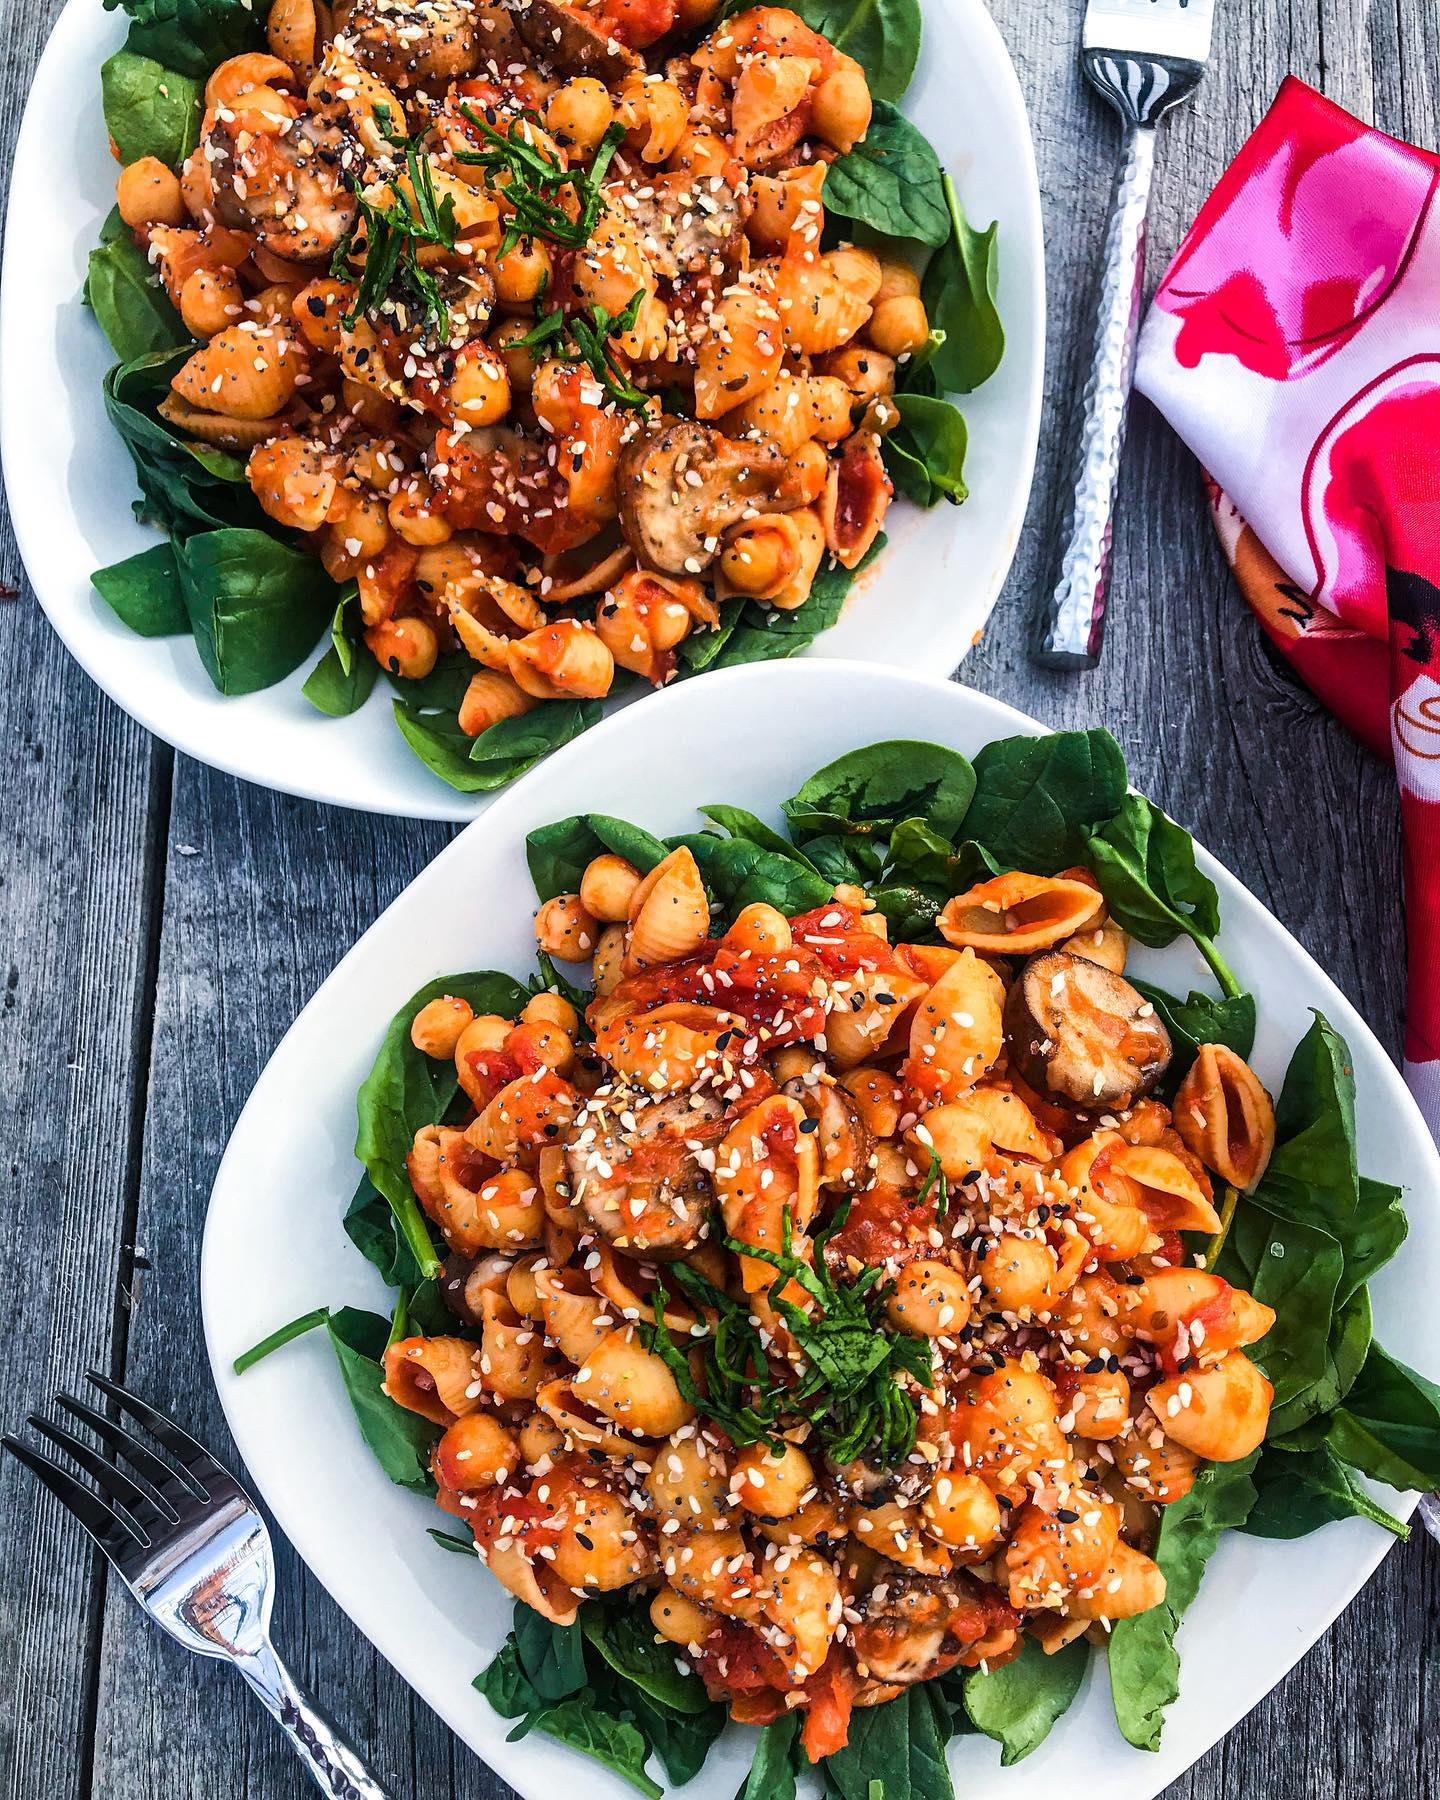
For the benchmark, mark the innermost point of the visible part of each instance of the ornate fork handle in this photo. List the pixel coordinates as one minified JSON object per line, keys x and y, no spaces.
{"x":1141,"y":90}
{"x":333,"y":1764}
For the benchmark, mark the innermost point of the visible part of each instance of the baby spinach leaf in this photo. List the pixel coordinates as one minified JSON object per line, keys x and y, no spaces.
{"x":144,"y":592}
{"x":959,"y":287}
{"x":742,"y":824}
{"x":342,"y":680}
{"x":193,"y":35}
{"x":773,"y":1767}
{"x":1389,"y":1425}
{"x":1299,"y":1275}
{"x":505,"y":1684}
{"x":624,"y":1638}
{"x":925,"y":452}
{"x":1145,"y":864}
{"x":557,"y":854}
{"x":130,"y":305}
{"x":1144,"y":1665}
{"x":580,"y":1723}
{"x":1371,"y":1235}
{"x":882,"y":35}
{"x":441,"y":690}
{"x":897,"y":1744}
{"x":753,"y":632}
{"x":870,"y":792}
{"x":738,"y":872}
{"x":681,"y":1740}
{"x":1017,"y":1704}
{"x":552,"y":1656}
{"x":1037,"y":800}
{"x":890,"y":181}
{"x":501,"y":754}
{"x":1201,"y":1019}
{"x":1313,"y":1173}
{"x":406,"y":1090}
{"x":1301,"y":1491}
{"x":401,"y":1441}
{"x":372,"y":1227}
{"x":1346,"y":1345}
{"x":256,"y":605}
{"x":183,"y":488}
{"x":150,"y":110}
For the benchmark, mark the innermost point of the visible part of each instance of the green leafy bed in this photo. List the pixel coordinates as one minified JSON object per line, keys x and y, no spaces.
{"x":915,"y":823}
{"x":254,"y":598}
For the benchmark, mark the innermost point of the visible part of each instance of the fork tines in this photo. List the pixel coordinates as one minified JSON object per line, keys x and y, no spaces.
{"x":1167,"y":28}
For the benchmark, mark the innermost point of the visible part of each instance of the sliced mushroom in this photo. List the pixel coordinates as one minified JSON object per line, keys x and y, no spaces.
{"x":1082,"y":1034}
{"x":915,"y":1626}
{"x":574,"y":42}
{"x":841,"y":1136}
{"x":685,"y":222}
{"x":636,"y":1171}
{"x":413,"y":43}
{"x":682,"y":484}
{"x":465,"y":1280}
{"x":288,"y":190}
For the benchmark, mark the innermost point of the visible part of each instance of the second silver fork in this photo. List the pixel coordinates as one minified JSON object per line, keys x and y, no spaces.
{"x":1144,"y":56}
{"x":189,"y":1544}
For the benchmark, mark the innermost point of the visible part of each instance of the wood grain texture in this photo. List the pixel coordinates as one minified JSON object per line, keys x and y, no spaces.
{"x":164,"y":929}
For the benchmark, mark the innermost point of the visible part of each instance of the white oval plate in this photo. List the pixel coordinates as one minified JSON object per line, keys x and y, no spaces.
{"x":70,"y":481}
{"x":274,"y":1246}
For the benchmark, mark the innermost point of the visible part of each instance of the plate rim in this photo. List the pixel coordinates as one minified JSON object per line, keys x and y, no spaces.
{"x":220,"y":748}
{"x":999,"y":719}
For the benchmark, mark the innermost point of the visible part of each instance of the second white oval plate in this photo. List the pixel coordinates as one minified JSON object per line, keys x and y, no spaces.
{"x":274,"y":1247}
{"x":70,"y":481}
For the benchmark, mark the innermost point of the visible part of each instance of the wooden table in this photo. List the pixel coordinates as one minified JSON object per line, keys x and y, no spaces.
{"x":163,"y":925}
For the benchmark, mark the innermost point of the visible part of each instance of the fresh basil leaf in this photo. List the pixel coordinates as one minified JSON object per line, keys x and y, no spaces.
{"x":1144,"y":1665}
{"x":406,"y":1090}
{"x":552,"y":1656}
{"x":372,"y":1227}
{"x":1200,"y":1019}
{"x":871,"y":792}
{"x":959,"y":289}
{"x":1313,"y":1173}
{"x":738,"y":872}
{"x":1389,"y":1425}
{"x":1145,"y":864}
{"x":150,"y":110}
{"x":882,"y":35}
{"x":342,"y":681}
{"x":144,"y":592}
{"x":193,"y":35}
{"x":773,"y":1766}
{"x":1037,"y":800}
{"x":625,"y":1639}
{"x":1298,"y":1492}
{"x":925,"y":452}
{"x":557,"y":854}
{"x":256,"y":605}
{"x":897,"y":1744}
{"x":582,"y":1725}
{"x":1018,"y":1703}
{"x":890,"y":181}
{"x":130,"y":305}
{"x":400,"y":1440}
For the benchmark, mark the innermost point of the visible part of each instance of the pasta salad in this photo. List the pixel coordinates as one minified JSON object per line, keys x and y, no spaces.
{"x":863,"y":1298}
{"x":532,"y":348}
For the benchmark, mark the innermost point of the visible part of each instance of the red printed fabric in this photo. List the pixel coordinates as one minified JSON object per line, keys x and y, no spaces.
{"x":1294,"y":344}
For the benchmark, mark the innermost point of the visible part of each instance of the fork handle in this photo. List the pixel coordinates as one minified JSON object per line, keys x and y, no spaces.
{"x":1071,"y":627}
{"x":332,"y":1761}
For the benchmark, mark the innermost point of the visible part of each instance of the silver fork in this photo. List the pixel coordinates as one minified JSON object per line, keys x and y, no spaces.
{"x":1144,"y":56}
{"x":189,"y":1544}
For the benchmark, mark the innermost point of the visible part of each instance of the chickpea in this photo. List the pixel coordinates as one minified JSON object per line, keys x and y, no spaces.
{"x":317,"y":310}
{"x":930,"y":1300}
{"x":210,"y":300}
{"x":486,"y":1032}
{"x":360,"y":520}
{"x":607,"y":886}
{"x":760,"y":558}
{"x":690,"y":15}
{"x":196,"y":189}
{"x":761,"y":928}
{"x":580,"y":112}
{"x":148,"y":193}
{"x":841,"y":109}
{"x":435,"y":1030}
{"x":407,"y":647}
{"x":1017,"y":1272}
{"x":1099,"y":1401}
{"x":519,"y":358}
{"x":480,"y":389}
{"x":476,"y":1452}
{"x":962,"y":1512}
{"x":537,"y":1040}
{"x":564,"y":929}
{"x":678,"y":1619}
{"x":898,"y":326}
{"x":552,"y":1009}
{"x":368,"y":406}
{"x":608,"y":965}
{"x":540,"y":1437}
{"x":523,"y":273}
{"x":770,"y":1486}
{"x":829,"y":408}
{"x":412,"y":518}
{"x":810,"y":469}
{"x":867,"y":373}
{"x":895,"y":278}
